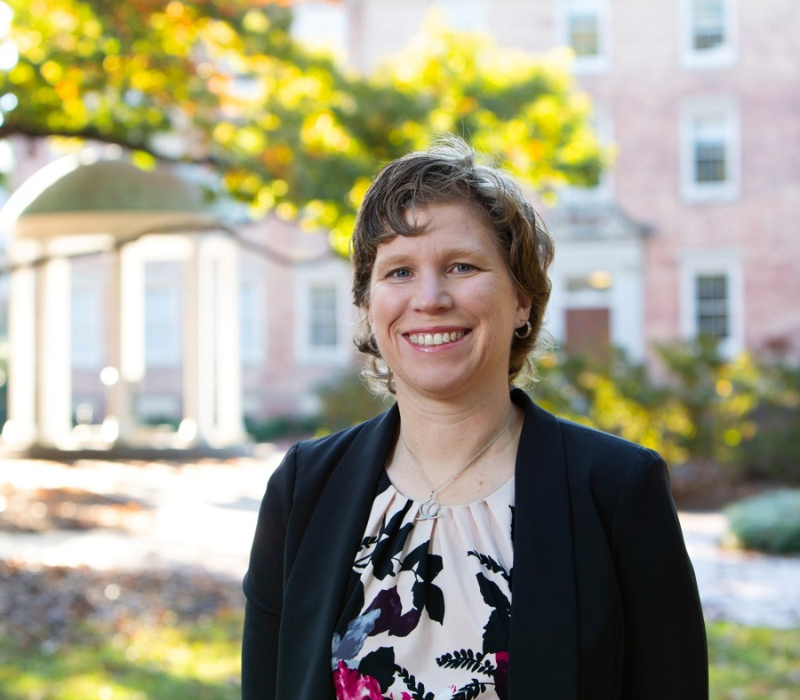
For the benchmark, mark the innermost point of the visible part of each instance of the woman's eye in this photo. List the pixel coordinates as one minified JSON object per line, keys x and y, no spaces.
{"x":401,"y":273}
{"x":463,"y":267}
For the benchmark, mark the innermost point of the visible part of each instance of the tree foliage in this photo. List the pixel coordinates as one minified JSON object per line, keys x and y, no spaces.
{"x":222,"y":82}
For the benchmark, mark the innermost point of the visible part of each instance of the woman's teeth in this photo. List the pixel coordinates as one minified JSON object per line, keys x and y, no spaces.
{"x":435,"y":338}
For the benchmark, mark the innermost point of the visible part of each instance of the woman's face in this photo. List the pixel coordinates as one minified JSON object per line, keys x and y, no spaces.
{"x":443,"y":307}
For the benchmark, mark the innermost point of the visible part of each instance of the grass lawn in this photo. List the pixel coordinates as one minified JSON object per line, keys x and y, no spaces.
{"x":200,"y":661}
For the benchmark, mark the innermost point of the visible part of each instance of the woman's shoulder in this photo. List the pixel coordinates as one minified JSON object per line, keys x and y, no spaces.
{"x":312,"y":460}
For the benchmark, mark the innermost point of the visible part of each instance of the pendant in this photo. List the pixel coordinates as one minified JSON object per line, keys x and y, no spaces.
{"x":430,"y":509}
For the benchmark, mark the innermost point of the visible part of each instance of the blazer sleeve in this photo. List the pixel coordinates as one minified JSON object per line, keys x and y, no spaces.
{"x":665,"y":653}
{"x":263,"y":585}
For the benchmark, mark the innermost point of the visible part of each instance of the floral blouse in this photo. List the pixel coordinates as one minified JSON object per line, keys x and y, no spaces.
{"x":429,"y":615}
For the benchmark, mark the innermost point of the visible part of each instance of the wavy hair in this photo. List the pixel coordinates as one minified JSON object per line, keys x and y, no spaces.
{"x":449,"y":172}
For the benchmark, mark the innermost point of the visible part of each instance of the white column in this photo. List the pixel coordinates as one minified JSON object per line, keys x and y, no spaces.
{"x":198,"y":351}
{"x":119,"y":424}
{"x":21,"y":425}
{"x":230,"y":429}
{"x":54,"y":376}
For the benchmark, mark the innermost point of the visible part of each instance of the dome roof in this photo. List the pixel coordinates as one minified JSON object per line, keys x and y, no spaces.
{"x":77,"y":195}
{"x":116,"y":185}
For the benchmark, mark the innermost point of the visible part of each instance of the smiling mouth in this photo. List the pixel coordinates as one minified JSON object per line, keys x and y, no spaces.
{"x":431,"y":339}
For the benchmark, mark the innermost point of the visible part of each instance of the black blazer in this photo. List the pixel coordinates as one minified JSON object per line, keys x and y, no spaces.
{"x":604,"y":602}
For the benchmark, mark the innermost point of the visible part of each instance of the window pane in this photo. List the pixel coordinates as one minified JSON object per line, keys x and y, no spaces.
{"x":708,"y":24}
{"x":162,"y":323}
{"x":710,"y":163}
{"x":710,"y":147}
{"x":323,"y":328}
{"x":250,"y":321}
{"x":85,"y":327}
{"x":712,"y":306}
{"x":583,"y":34}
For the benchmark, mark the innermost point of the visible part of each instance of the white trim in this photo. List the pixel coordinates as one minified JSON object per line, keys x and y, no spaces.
{"x":337,"y":275}
{"x":601,"y":61}
{"x":720,"y":56}
{"x":726,"y":111}
{"x":724,"y":263}
{"x":624,"y":298}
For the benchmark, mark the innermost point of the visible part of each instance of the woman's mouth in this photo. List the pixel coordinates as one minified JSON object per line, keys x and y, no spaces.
{"x":431,"y":339}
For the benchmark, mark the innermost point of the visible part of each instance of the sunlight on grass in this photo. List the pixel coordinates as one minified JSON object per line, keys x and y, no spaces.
{"x":175,"y":661}
{"x":143,"y":662}
{"x":753,"y":663}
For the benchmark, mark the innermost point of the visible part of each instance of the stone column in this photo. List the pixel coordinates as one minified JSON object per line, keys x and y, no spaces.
{"x":21,"y":426}
{"x":54,"y":368}
{"x":126,"y":294}
{"x":198,"y":352}
{"x":230,"y":429}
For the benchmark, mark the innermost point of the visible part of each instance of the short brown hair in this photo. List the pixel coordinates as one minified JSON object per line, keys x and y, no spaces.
{"x":449,"y":172}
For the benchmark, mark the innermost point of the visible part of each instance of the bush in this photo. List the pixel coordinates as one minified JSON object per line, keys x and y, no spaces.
{"x":769,"y":522}
{"x":280,"y":428}
{"x":346,"y":401}
{"x":735,"y":414}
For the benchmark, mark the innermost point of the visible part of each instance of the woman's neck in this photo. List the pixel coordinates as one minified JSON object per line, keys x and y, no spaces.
{"x":441,"y":436}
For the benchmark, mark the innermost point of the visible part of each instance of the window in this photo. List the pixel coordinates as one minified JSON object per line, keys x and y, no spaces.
{"x":162,"y":315}
{"x":85,"y":321}
{"x":712,"y":306}
{"x":583,"y":26}
{"x":323,"y":317}
{"x":712,"y":299}
{"x":707,"y":27}
{"x":251,"y":316}
{"x":710,"y":151}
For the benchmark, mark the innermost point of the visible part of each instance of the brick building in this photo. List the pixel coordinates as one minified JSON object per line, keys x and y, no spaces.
{"x":696,"y":228}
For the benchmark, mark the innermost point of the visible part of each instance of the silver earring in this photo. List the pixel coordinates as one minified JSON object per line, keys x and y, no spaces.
{"x":528,"y":331}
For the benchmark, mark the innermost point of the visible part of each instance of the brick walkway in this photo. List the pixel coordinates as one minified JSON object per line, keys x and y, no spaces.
{"x":203,"y":515}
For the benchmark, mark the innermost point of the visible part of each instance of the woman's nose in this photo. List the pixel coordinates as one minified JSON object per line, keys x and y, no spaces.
{"x":432,"y":293}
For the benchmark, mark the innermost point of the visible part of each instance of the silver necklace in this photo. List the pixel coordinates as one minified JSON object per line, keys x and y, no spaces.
{"x":431,"y":508}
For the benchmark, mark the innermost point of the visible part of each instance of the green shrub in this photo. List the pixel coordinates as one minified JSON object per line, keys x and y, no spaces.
{"x":281,"y":428}
{"x":346,"y":401}
{"x":774,"y":451}
{"x":769,"y":522}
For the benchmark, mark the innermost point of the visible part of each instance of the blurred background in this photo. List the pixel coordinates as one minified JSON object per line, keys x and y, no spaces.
{"x":179,"y":184}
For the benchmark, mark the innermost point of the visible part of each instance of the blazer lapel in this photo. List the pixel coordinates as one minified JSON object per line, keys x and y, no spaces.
{"x":543,"y":649}
{"x":316,"y":588}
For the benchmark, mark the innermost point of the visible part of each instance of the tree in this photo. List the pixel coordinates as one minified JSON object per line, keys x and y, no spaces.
{"x":222,"y":82}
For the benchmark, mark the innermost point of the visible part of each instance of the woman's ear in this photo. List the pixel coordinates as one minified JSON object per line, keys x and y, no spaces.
{"x":524,"y":303}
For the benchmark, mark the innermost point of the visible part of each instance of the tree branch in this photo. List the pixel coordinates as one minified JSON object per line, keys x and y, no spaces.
{"x":91,"y":134}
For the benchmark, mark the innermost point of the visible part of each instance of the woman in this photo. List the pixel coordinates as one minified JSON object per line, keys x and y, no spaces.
{"x":465,"y":544}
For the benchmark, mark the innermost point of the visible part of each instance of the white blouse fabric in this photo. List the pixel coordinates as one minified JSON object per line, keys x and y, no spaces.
{"x":429,"y":615}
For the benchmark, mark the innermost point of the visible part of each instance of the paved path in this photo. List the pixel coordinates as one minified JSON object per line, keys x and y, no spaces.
{"x":203,"y":516}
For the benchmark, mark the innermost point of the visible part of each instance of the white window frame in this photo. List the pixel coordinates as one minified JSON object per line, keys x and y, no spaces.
{"x":721,"y":56}
{"x":337,"y":274}
{"x":730,"y":132}
{"x":586,"y":64}
{"x":87,"y":347}
{"x":726,"y":264}
{"x":254,"y":353}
